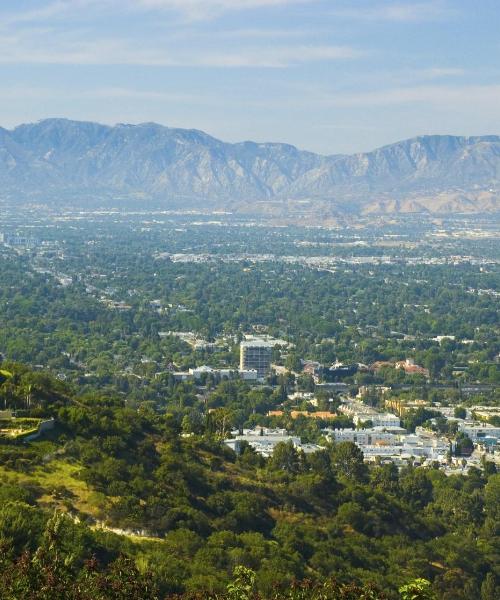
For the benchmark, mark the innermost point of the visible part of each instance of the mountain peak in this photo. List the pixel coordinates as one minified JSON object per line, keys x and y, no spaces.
{"x":188,"y":167}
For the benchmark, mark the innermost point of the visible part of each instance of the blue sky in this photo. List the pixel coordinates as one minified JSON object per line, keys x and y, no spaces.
{"x":331,"y":76}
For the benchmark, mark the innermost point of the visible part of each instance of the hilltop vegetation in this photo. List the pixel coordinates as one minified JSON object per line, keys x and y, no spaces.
{"x":191,"y":510}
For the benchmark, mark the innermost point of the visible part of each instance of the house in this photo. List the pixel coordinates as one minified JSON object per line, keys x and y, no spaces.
{"x":410,"y":368}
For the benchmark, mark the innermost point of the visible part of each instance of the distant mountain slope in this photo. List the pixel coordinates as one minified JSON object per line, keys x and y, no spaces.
{"x":57,"y":159}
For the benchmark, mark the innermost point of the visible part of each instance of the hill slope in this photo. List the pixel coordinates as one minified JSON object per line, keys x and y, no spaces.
{"x":186,"y":510}
{"x":56,"y":159}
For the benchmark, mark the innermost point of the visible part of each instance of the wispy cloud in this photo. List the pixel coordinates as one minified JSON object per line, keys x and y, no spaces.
{"x":49,"y":11}
{"x":408,"y":12}
{"x":32,"y":46}
{"x":439,"y":72}
{"x":279,"y":57}
{"x":200,"y":9}
{"x":243,"y":34}
{"x":190,"y":9}
{"x":61,"y":51}
{"x":69,"y":32}
{"x":426,"y":95}
{"x":15,"y":93}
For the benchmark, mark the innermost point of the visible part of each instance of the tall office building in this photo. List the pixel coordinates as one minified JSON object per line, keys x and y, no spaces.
{"x":256,"y":355}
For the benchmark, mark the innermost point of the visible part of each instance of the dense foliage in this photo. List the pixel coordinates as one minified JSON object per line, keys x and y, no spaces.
{"x":103,"y":329}
{"x":133,"y":493}
{"x":191,"y":510}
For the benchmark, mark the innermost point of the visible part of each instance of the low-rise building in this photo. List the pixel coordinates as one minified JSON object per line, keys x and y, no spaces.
{"x":402,"y":407}
{"x":479,"y":432}
{"x":263,"y":440}
{"x":363,"y":437}
{"x":377,"y":419}
{"x":410,"y":368}
{"x":197,"y":373}
{"x":394,"y":445}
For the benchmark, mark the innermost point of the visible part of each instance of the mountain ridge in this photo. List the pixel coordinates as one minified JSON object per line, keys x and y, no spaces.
{"x":56,"y":159}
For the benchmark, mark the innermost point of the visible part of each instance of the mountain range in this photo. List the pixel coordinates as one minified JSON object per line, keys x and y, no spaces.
{"x":64,"y":161}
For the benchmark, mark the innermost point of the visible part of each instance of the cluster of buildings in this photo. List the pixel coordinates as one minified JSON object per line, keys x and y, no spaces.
{"x":362,"y":413}
{"x":255,"y":364}
{"x":263,"y":440}
{"x":199,"y":373}
{"x":395,"y":444}
{"x":480,"y":433}
{"x":408,"y":366}
{"x":18,"y":241}
{"x":295,"y":414}
{"x":321,"y":262}
{"x":377,"y":444}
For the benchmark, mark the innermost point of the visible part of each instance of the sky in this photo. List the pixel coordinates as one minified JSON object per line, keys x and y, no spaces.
{"x":330,"y":76}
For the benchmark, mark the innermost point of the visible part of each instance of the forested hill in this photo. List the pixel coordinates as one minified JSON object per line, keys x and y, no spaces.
{"x":189,"y":510}
{"x":58,"y":160}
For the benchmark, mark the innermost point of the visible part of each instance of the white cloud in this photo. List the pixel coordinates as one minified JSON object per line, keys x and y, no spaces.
{"x":409,"y":12}
{"x":279,"y":57}
{"x":435,"y":95}
{"x":439,"y":72}
{"x":38,"y":93}
{"x":190,"y":9}
{"x":241,"y":34}
{"x":207,"y":8}
{"x":34,"y":46}
{"x":51,"y":10}
{"x":63,"y":50}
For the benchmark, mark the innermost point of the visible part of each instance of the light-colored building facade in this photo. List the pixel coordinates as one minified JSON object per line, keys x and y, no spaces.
{"x":479,"y":431}
{"x":264,"y":440}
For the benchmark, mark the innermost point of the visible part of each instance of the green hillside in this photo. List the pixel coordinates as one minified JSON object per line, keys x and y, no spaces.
{"x":177,"y":511}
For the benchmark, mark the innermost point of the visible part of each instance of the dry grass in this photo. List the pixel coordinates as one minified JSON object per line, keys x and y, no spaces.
{"x":57,"y":479}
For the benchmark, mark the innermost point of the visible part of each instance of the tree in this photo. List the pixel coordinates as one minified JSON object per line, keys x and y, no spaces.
{"x":418,"y":589}
{"x":221,"y":421}
{"x":241,"y":587}
{"x":489,"y":588}
{"x":285,"y":458}
{"x":416,"y":487}
{"x":463,"y":444}
{"x":492,"y":497}
{"x":348,"y":460}
{"x":434,"y":361}
{"x":293,"y":362}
